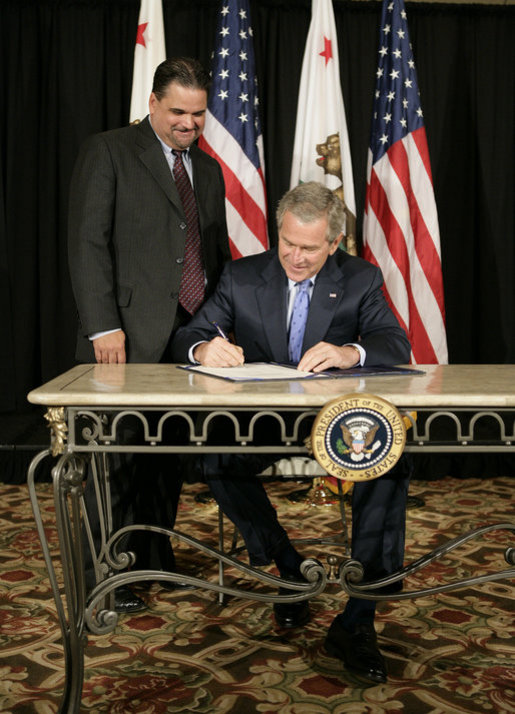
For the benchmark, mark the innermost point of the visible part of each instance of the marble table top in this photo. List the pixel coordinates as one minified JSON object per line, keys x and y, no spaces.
{"x":165,"y":385}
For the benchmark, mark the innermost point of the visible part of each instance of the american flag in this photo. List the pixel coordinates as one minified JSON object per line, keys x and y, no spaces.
{"x":232,"y":133}
{"x":400,"y":232}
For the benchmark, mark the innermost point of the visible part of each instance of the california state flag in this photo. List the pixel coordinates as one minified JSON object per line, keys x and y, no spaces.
{"x":148,"y":53}
{"x":321,"y":150}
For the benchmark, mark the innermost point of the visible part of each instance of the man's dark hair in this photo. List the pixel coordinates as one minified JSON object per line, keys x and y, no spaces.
{"x":186,"y":71}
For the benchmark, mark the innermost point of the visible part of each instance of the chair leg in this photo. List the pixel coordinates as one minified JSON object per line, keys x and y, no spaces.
{"x":221,"y":579}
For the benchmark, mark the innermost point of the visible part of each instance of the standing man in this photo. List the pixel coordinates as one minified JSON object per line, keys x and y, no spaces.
{"x":147,"y":243}
{"x":309,"y":303}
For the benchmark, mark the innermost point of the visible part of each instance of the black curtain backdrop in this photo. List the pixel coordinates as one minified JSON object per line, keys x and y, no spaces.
{"x":67,"y":72}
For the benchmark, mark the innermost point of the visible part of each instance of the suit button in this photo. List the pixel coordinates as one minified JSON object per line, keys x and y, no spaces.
{"x":182,"y":226}
{"x":179,"y":260}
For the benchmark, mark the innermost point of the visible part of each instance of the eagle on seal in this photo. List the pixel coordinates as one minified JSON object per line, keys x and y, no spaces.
{"x":358,"y":439}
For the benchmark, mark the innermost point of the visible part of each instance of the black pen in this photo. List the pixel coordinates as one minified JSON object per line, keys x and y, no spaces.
{"x":220,"y":331}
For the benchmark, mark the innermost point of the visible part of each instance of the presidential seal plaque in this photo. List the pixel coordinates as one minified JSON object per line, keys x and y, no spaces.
{"x":358,"y":437}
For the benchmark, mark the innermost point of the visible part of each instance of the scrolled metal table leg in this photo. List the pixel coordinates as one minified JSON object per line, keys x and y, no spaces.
{"x":351,"y":571}
{"x":101,"y":621}
{"x":67,"y":477}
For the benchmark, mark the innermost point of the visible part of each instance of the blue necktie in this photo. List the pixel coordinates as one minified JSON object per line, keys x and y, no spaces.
{"x":298,"y":320}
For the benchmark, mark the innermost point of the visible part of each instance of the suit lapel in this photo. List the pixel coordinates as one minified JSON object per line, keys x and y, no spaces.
{"x":327,"y":295}
{"x":151,"y":154}
{"x":271,"y":298}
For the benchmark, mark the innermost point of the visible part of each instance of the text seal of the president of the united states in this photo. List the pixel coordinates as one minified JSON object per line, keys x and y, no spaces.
{"x":358,"y":437}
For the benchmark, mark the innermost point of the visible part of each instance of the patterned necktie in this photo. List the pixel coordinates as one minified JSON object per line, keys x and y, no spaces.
{"x":298,"y":320}
{"x":191,"y":292}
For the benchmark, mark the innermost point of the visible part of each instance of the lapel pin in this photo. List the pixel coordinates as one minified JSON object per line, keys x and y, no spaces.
{"x":332,"y":295}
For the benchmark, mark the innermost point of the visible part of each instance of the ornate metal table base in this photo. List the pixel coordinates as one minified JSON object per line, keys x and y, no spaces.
{"x":89,"y":613}
{"x":288,"y":412}
{"x":79,"y":612}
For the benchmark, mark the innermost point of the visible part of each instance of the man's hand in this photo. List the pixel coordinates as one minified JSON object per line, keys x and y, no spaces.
{"x":110,"y":349}
{"x":324,"y":356}
{"x":218,"y":353}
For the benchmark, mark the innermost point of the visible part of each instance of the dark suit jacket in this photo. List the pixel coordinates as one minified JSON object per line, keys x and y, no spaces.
{"x":126,"y":238}
{"x":251,"y":302}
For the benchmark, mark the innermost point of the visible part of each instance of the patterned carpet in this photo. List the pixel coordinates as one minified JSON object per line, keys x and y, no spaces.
{"x":186,"y":653}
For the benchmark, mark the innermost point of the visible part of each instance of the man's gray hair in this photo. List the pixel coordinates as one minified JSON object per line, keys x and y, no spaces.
{"x":310,"y":201}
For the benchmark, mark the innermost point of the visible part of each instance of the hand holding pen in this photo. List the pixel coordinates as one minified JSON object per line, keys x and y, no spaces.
{"x":219,"y":352}
{"x":220,"y":331}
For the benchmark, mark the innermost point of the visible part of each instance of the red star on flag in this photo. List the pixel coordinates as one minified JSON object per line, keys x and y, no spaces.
{"x":149,"y":52}
{"x":140,"y":39}
{"x":327,"y":53}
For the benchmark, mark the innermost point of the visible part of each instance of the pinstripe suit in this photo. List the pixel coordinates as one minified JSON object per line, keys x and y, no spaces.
{"x":126,"y":238}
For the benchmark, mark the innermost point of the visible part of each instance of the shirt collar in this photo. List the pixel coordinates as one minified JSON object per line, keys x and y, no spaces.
{"x":167,"y":149}
{"x":293,"y":283}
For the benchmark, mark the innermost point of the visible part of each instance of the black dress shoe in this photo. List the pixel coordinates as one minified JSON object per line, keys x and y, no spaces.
{"x":126,"y":601}
{"x":291,"y":614}
{"x":358,"y":650}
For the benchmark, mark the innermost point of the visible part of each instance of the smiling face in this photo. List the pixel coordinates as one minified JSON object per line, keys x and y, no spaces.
{"x":179,"y":117}
{"x":303,"y":247}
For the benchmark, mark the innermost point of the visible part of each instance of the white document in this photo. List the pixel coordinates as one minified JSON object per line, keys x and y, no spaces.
{"x":252,"y":372}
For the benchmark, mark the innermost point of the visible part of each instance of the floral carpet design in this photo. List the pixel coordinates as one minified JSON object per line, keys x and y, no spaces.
{"x":447,"y":653}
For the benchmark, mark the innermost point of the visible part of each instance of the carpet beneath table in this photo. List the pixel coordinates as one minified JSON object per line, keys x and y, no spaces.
{"x":452,"y":652}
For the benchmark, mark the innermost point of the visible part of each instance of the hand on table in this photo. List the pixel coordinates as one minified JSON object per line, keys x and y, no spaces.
{"x":110,"y":349}
{"x":323,"y":356}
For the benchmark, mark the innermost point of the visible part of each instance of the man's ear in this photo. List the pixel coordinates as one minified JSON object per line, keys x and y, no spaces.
{"x":336,"y":242}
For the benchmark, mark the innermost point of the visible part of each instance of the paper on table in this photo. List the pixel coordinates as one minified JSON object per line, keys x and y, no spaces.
{"x":253,"y":371}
